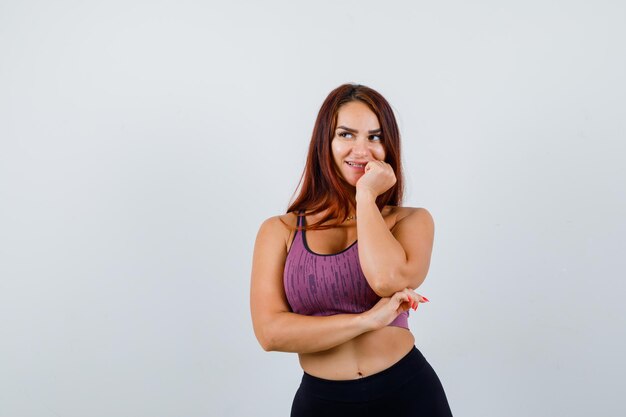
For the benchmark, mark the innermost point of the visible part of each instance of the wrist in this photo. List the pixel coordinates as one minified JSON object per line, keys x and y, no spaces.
{"x":365,"y":195}
{"x":364,"y":323}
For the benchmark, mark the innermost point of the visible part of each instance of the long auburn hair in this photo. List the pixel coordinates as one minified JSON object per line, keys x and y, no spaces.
{"x":322,"y":187}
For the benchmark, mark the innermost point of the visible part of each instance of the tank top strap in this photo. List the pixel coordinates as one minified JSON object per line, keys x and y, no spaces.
{"x":297,"y":242}
{"x":301,"y":223}
{"x":300,"y":218}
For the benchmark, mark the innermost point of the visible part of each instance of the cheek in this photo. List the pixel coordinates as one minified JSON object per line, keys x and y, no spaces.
{"x":337,"y":150}
{"x":336,"y":158}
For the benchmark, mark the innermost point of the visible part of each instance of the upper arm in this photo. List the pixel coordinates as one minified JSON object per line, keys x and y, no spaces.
{"x":415,"y":232}
{"x":267,"y":294}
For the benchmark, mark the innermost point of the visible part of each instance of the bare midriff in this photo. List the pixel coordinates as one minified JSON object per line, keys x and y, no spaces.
{"x":362,"y":356}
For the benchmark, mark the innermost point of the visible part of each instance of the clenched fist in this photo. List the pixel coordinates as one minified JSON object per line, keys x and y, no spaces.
{"x":378,"y":178}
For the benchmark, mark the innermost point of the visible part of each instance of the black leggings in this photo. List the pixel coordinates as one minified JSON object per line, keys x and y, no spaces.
{"x":408,"y":388}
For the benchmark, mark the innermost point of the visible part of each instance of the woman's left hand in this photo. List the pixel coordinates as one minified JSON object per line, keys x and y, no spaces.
{"x":378,"y":178}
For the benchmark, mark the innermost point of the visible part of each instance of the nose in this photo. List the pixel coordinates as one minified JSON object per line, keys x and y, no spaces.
{"x":360,"y":147}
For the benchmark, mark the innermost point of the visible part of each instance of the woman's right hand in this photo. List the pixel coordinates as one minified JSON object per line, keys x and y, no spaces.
{"x":388,"y":308}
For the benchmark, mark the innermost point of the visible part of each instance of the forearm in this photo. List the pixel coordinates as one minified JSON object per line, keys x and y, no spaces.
{"x":291,"y":332}
{"x":380,"y":254}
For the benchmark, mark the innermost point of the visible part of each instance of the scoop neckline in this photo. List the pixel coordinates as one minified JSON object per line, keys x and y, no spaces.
{"x":306,"y":246}
{"x":308,"y":249}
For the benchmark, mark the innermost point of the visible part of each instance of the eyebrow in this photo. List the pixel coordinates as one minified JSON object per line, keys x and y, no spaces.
{"x":356,"y":131}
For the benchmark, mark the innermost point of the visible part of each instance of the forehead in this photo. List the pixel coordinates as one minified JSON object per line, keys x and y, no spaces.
{"x":357,"y":114}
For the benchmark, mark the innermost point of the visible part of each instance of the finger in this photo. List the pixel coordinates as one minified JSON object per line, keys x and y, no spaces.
{"x":417,"y":296}
{"x":412,"y":294}
{"x":406,"y":298}
{"x":413,"y":299}
{"x":402,"y":297}
{"x":409,"y":299}
{"x":406,"y":303}
{"x":407,"y":292}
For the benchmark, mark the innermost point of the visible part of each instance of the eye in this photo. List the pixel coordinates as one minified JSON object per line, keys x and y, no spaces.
{"x":345,"y":133}
{"x":378,"y":138}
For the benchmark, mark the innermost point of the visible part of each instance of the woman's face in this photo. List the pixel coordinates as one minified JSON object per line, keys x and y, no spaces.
{"x":357,"y":140}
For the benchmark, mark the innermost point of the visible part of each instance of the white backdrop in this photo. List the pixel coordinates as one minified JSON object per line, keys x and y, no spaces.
{"x":142,"y":143}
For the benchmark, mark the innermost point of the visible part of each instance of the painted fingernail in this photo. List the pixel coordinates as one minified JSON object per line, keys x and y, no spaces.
{"x":426,"y":299}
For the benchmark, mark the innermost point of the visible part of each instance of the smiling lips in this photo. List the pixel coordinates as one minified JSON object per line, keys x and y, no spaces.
{"x":357,"y":164}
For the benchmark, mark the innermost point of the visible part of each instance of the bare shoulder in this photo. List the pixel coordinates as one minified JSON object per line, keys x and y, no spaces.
{"x":288,"y":219}
{"x":278,"y":228}
{"x":280,"y":221}
{"x":411,"y":217}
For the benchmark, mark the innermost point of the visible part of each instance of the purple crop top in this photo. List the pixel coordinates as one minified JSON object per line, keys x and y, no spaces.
{"x":324,"y":285}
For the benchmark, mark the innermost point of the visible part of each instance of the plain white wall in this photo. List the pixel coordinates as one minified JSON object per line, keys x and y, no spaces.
{"x":143,"y":143}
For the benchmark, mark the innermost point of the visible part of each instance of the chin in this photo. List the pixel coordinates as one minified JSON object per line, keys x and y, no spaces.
{"x":351,"y":180}
{"x":348,"y":177}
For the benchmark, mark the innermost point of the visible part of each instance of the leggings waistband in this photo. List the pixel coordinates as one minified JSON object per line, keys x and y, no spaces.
{"x":369,"y":387}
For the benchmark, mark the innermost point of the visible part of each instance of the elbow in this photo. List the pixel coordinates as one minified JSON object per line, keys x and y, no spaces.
{"x":270,"y":343}
{"x":265,"y":343}
{"x":380,"y":282}
{"x":394,"y":283}
{"x":271,"y":336}
{"x":383,"y":287}
{"x":263,"y":336}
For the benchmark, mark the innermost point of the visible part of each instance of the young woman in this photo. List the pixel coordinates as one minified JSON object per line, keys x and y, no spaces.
{"x":333,"y":278}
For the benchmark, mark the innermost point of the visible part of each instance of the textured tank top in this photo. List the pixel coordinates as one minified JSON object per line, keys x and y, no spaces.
{"x":324,"y":285}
